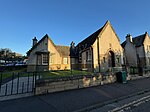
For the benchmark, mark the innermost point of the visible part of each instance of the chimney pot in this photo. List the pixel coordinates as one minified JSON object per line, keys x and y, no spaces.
{"x":34,"y":41}
{"x":129,"y":38}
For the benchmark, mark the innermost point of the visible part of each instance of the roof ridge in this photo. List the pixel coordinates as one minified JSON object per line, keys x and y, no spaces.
{"x":91,"y":35}
{"x":28,"y":52}
{"x":91,"y":38}
{"x":139,"y":35}
{"x":62,"y":45}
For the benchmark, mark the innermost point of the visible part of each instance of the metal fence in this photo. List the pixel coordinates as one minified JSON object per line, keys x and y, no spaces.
{"x":138,"y":70}
{"x":17,"y":83}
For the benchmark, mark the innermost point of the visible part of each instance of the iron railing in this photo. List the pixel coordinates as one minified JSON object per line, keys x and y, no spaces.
{"x":17,"y":83}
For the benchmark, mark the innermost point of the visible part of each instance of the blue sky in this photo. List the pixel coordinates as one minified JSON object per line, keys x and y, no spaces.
{"x":68,"y":20}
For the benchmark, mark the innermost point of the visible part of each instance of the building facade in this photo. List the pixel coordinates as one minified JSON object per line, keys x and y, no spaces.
{"x":99,"y":52}
{"x":45,"y":55}
{"x":137,"y":50}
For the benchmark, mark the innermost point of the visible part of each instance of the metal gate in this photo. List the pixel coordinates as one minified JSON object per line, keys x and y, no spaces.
{"x":17,"y":83}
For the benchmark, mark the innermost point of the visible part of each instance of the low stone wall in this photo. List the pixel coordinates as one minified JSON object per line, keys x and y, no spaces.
{"x":75,"y":82}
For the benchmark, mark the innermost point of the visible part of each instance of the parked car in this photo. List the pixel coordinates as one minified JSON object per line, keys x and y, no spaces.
{"x":19,"y":64}
{"x":10,"y":64}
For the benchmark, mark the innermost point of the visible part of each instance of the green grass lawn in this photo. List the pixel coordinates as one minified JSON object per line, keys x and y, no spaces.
{"x":61,"y":73}
{"x":9,"y":74}
{"x":47,"y":74}
{"x":5,"y":75}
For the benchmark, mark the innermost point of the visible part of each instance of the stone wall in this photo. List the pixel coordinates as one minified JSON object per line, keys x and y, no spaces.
{"x":75,"y":82}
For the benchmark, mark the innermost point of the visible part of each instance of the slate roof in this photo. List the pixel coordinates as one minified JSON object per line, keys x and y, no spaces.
{"x":137,"y":41}
{"x":63,"y":50}
{"x":86,"y":43}
{"x":89,"y":40}
{"x":123,"y":44}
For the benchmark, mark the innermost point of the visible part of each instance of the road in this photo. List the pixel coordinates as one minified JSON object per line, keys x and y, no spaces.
{"x":142,"y":108}
{"x":138,"y":103}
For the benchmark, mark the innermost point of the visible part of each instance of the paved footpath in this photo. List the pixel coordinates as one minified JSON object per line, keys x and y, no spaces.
{"x":77,"y":100}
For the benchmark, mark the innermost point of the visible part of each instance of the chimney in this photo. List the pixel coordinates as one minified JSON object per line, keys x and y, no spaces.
{"x":34,"y":41}
{"x":72,"y":45}
{"x":129,"y":38}
{"x":146,"y":33}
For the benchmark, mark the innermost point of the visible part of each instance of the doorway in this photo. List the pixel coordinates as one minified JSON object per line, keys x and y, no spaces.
{"x":111,"y":59}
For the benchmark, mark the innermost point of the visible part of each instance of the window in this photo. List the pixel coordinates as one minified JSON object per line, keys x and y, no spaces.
{"x":80,"y":56}
{"x":65,"y":60}
{"x":51,"y":60}
{"x":149,"y":60}
{"x":72,"y":61}
{"x":39,"y":59}
{"x":148,"y":47}
{"x":85,"y":45}
{"x":118,"y":60}
{"x":90,"y":55}
{"x":110,"y":45}
{"x":82,"y":46}
{"x":45,"y":59}
{"x":87,"y":56}
{"x":104,"y":59}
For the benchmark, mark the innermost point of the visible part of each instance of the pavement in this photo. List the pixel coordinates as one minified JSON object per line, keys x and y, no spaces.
{"x":77,"y":100}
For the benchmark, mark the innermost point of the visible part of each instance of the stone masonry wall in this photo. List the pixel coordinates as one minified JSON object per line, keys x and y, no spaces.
{"x":76,"y":82}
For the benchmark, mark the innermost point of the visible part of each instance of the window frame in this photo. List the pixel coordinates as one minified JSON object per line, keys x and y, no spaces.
{"x":45,"y":59}
{"x":65,"y":61}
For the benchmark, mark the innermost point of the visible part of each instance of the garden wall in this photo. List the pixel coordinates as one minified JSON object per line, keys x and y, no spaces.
{"x":44,"y":86}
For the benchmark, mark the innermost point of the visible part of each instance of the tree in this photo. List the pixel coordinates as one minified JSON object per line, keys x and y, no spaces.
{"x":5,"y":54}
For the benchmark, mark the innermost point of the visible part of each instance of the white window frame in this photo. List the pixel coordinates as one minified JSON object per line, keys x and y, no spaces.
{"x":65,"y":60}
{"x":43,"y":63}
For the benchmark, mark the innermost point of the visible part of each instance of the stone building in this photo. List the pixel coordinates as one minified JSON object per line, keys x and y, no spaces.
{"x":99,"y":52}
{"x":137,"y":50}
{"x":45,"y":55}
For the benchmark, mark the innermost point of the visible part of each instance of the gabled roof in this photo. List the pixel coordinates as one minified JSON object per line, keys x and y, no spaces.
{"x":123,"y":44}
{"x":86,"y":43}
{"x":62,"y":50}
{"x":89,"y":40}
{"x":137,"y":41}
{"x":46,"y":36}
